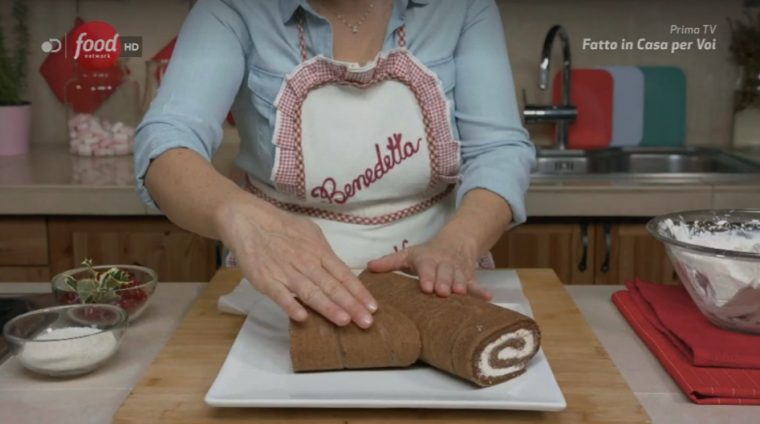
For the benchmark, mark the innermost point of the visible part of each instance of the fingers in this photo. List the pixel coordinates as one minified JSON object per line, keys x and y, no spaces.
{"x":285,"y":299}
{"x":450,"y":279}
{"x":460,"y":282}
{"x":312,"y":295}
{"x":343,"y":274}
{"x":337,"y":293}
{"x":478,"y":291}
{"x":388,"y":263}
{"x":444,"y":278}
{"x":426,"y":273}
{"x":270,"y":280}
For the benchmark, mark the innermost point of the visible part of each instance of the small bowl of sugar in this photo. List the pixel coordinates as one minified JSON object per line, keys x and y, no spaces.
{"x":66,"y":341}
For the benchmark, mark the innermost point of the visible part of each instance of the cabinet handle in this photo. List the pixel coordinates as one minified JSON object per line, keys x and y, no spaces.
{"x":583,"y":264}
{"x":607,"y":247}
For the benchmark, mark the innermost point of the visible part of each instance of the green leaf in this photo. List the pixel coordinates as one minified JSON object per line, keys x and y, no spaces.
{"x":86,"y":288}
{"x":122,"y":276}
{"x":13,"y":59}
{"x":70,"y":282}
{"x":110,"y":283}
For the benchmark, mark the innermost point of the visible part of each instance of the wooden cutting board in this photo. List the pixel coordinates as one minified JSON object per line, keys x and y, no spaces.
{"x":174,"y":386}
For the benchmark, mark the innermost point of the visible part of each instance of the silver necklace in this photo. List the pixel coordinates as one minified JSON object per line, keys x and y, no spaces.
{"x":356,"y":26}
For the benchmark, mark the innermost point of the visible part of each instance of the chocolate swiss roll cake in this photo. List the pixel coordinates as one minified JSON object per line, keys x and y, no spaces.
{"x":318,"y":345}
{"x":462,"y":335}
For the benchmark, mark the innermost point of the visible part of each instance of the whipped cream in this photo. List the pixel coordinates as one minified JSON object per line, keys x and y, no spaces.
{"x":507,"y":353}
{"x":727,"y":287}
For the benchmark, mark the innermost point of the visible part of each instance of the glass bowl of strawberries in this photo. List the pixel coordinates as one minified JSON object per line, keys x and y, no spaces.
{"x":127,"y":286}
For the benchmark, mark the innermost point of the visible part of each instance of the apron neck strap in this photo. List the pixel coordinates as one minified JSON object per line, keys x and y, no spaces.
{"x":302,"y":36}
{"x":400,"y":36}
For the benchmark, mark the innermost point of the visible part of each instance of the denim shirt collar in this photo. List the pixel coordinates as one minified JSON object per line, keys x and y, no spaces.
{"x":288,"y":8}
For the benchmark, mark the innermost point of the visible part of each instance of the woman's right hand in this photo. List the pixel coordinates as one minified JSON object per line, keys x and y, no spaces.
{"x":286,"y":256}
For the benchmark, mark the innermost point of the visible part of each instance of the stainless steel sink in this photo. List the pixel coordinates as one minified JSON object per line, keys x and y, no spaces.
{"x":694,"y":162}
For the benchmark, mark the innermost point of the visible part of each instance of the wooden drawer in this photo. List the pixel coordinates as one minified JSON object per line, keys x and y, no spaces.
{"x":566,"y":248}
{"x":175,"y":254}
{"x":21,"y":274}
{"x":627,"y":251}
{"x":23,"y":242}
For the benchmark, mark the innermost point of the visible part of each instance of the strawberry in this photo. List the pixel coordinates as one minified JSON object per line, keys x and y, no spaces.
{"x":69,"y":298}
{"x":127,"y":304}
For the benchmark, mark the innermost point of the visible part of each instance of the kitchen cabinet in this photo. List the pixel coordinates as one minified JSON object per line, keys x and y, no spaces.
{"x":35,"y":248}
{"x":24,"y":273}
{"x":175,"y":254}
{"x":626,"y":251}
{"x":23,"y":242}
{"x":23,"y":249}
{"x":582,"y":251}
{"x":566,"y":247}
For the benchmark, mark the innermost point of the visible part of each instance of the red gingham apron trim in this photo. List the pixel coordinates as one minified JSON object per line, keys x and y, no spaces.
{"x":398,"y":65}
{"x":348,"y":218}
{"x":401,"y":34}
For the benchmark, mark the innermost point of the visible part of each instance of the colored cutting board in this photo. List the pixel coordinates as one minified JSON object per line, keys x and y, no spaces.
{"x":592,"y":93}
{"x":664,"y":106}
{"x":628,"y":105}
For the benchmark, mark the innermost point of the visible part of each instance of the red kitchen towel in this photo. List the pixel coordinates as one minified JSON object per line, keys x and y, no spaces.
{"x":672,"y":311}
{"x":702,"y":385}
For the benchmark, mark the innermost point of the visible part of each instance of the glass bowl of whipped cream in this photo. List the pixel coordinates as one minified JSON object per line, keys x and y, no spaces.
{"x":716,"y":254}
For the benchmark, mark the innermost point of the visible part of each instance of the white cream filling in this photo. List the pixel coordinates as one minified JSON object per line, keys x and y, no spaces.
{"x":506,"y":353}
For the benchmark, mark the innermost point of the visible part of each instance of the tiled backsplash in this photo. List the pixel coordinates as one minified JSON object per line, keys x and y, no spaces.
{"x":711,"y":76}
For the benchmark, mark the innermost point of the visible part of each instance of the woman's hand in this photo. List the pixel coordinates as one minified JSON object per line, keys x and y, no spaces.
{"x":285,"y":256}
{"x":445,"y":265}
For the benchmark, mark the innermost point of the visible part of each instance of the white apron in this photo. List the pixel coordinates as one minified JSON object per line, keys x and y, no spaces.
{"x":367,"y":152}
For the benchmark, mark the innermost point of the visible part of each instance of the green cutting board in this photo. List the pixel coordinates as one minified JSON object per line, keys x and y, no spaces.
{"x":664,"y":106}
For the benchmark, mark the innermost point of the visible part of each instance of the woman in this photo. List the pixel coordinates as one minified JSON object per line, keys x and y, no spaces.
{"x":354,"y":160}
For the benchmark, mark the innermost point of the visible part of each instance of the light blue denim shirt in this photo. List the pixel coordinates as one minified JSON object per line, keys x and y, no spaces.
{"x":235,"y":54}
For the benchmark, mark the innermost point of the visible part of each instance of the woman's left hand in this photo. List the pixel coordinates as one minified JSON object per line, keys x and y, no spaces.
{"x":444,"y":266}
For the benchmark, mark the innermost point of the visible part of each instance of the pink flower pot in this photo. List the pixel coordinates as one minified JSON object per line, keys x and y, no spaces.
{"x":15,"y":123}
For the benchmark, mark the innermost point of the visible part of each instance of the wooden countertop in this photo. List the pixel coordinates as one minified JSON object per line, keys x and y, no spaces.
{"x":174,"y":386}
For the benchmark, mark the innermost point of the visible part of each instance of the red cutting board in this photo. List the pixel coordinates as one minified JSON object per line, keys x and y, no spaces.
{"x":592,"y":93}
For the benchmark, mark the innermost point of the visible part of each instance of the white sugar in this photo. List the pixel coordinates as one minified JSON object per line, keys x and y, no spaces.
{"x":65,"y":349}
{"x":66,"y":333}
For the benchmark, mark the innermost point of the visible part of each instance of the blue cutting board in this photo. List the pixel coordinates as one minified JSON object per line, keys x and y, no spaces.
{"x":628,"y":105}
{"x":664,"y":106}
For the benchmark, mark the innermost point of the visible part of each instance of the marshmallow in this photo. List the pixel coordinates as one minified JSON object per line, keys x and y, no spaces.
{"x":90,"y":140}
{"x":100,"y":137}
{"x":84,"y":150}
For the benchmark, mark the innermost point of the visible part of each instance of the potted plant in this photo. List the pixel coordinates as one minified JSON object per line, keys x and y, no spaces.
{"x":15,"y":112}
{"x":745,"y":52}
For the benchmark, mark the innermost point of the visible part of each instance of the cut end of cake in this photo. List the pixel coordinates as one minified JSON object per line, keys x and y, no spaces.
{"x":506,"y":356}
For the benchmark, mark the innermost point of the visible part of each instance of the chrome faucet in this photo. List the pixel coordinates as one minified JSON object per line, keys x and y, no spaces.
{"x":564,"y":114}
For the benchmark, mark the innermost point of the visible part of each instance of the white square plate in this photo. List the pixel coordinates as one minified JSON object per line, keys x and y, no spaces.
{"x":257,"y":372}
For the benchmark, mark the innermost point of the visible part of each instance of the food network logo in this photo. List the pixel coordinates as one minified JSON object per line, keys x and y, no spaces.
{"x":95,"y":45}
